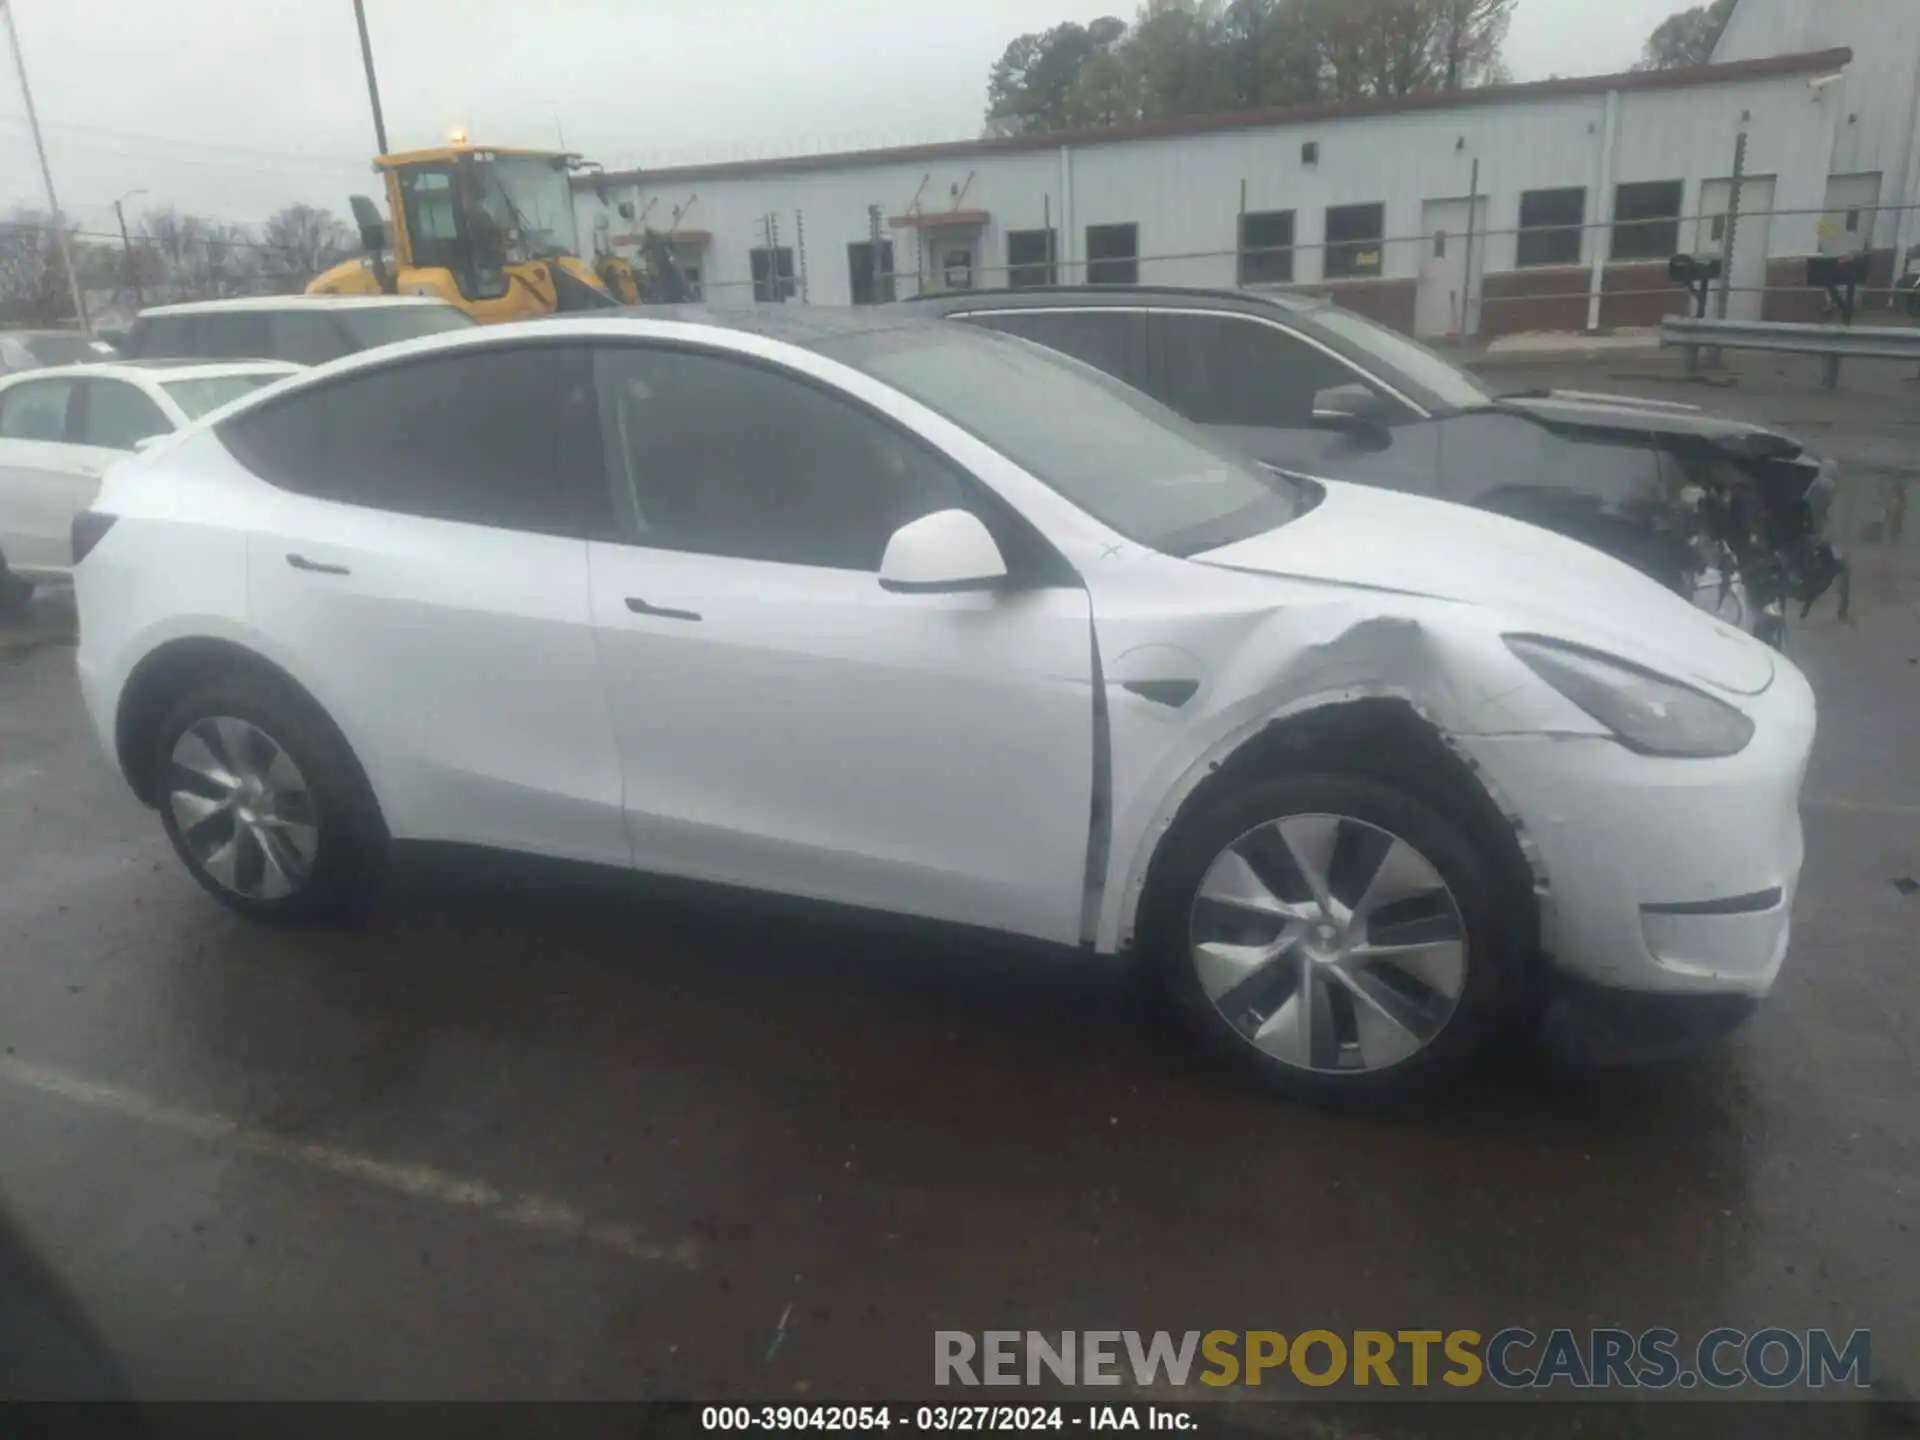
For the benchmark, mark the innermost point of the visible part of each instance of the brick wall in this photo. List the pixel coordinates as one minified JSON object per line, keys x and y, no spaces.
{"x":1511,"y":301}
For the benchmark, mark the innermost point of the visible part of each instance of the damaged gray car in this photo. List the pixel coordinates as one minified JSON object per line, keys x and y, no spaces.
{"x":1729,"y":514}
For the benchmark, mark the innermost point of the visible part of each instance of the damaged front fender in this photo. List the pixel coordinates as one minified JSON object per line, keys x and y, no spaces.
{"x":1253,"y":664}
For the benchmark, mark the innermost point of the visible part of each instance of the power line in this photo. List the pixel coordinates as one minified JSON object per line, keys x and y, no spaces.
{"x":171,"y":142}
{"x":280,"y":167}
{"x":113,"y":236}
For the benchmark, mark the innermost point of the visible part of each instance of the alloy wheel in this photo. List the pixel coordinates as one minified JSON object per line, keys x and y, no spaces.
{"x":1329,"y":944}
{"x":242,"y":808}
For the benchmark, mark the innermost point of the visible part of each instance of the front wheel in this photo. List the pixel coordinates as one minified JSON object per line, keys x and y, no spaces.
{"x":264,"y":803}
{"x":1333,"y":936}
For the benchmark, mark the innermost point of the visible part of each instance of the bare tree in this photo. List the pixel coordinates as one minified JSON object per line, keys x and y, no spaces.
{"x":33,"y":282}
{"x":303,"y":239}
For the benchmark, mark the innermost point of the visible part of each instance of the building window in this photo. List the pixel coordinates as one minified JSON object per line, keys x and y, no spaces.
{"x":867,"y":287}
{"x":1355,"y":237}
{"x":772,"y":273}
{"x":1266,"y":248}
{"x":1646,"y":220}
{"x":1032,"y":258}
{"x":1550,"y":223}
{"x":1113,"y":254}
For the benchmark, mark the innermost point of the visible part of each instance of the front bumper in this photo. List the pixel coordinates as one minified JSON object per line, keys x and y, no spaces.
{"x":1665,"y":877}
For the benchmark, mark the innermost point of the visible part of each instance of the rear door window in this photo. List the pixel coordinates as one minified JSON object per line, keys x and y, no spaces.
{"x":489,"y":438}
{"x":116,"y":416}
{"x":1109,"y":340}
{"x":37,"y":410}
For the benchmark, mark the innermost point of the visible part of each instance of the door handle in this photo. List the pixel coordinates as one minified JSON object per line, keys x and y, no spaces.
{"x":300,"y":562}
{"x":659,"y":612}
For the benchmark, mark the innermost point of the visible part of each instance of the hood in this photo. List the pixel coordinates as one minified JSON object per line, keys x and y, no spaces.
{"x":1533,"y":578}
{"x":1574,"y":410}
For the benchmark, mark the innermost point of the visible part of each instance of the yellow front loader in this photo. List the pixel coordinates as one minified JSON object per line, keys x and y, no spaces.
{"x":489,"y":228}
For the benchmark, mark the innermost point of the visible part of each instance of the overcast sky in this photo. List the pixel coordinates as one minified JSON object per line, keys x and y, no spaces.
{"x":234,"y":108}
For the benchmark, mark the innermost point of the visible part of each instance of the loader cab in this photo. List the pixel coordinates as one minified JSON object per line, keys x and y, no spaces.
{"x":478,"y":214}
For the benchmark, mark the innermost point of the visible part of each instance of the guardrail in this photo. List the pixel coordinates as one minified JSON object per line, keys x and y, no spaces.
{"x":1833,"y":343}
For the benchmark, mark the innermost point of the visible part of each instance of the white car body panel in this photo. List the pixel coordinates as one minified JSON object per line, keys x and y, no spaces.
{"x":1367,"y":536}
{"x":812,"y":734}
{"x":461,"y":661}
{"x":939,"y":755}
{"x":45,"y":483}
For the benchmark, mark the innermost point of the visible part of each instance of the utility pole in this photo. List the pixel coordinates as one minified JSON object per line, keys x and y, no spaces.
{"x":46,"y":174}
{"x":126,"y":244}
{"x":1713,"y":358}
{"x":373,"y":85}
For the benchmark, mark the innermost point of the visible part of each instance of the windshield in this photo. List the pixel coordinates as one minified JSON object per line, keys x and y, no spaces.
{"x":1125,"y":459}
{"x":210,"y":392}
{"x":386,"y":324}
{"x":1452,"y":387}
{"x":529,"y":195}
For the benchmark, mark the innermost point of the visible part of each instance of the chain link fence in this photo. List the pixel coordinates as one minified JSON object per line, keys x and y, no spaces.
{"x":1350,"y":265}
{"x":118,"y":274}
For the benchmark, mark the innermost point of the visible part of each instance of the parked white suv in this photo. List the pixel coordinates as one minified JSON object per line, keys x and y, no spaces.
{"x":910,"y":616}
{"x":61,"y":428}
{"x":304,"y":329}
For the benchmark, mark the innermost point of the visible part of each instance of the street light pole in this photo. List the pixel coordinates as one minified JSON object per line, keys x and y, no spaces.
{"x":373,"y":85}
{"x":133,"y":267}
{"x":46,"y":174}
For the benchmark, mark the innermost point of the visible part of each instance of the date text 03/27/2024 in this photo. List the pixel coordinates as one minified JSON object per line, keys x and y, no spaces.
{"x":940,"y":1419}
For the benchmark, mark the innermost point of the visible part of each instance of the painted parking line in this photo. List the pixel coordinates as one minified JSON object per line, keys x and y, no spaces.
{"x":547,"y":1216}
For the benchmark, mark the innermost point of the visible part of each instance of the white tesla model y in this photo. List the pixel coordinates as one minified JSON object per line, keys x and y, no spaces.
{"x":902,"y":615}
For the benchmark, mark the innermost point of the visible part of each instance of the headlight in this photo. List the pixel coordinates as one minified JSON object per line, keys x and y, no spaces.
{"x":1645,"y":711}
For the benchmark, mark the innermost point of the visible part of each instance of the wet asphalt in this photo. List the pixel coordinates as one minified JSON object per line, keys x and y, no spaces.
{"x":533,"y":1134}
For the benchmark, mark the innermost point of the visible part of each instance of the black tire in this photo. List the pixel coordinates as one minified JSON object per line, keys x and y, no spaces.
{"x":16,"y":595}
{"x":1495,"y":949}
{"x":350,"y":857}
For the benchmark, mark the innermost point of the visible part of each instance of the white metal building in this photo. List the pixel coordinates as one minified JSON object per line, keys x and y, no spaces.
{"x":1876,"y":146}
{"x":1585,"y":187}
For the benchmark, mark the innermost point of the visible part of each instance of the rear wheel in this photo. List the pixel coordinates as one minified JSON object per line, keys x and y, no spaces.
{"x":1333,"y":935}
{"x":15,"y":594}
{"x":264,"y":803}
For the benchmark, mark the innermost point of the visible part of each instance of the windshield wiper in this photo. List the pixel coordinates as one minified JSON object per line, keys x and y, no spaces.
{"x":522,"y":224}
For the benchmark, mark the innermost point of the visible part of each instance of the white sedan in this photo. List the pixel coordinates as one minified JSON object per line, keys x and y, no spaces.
{"x":59,"y":430}
{"x":896,"y":614}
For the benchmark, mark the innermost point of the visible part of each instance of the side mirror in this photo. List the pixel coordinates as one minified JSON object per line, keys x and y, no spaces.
{"x":373,"y":230}
{"x":938,"y":554}
{"x":1355,"y":408}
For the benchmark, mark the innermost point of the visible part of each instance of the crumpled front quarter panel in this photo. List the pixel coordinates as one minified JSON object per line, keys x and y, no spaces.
{"x":1258,"y":649}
